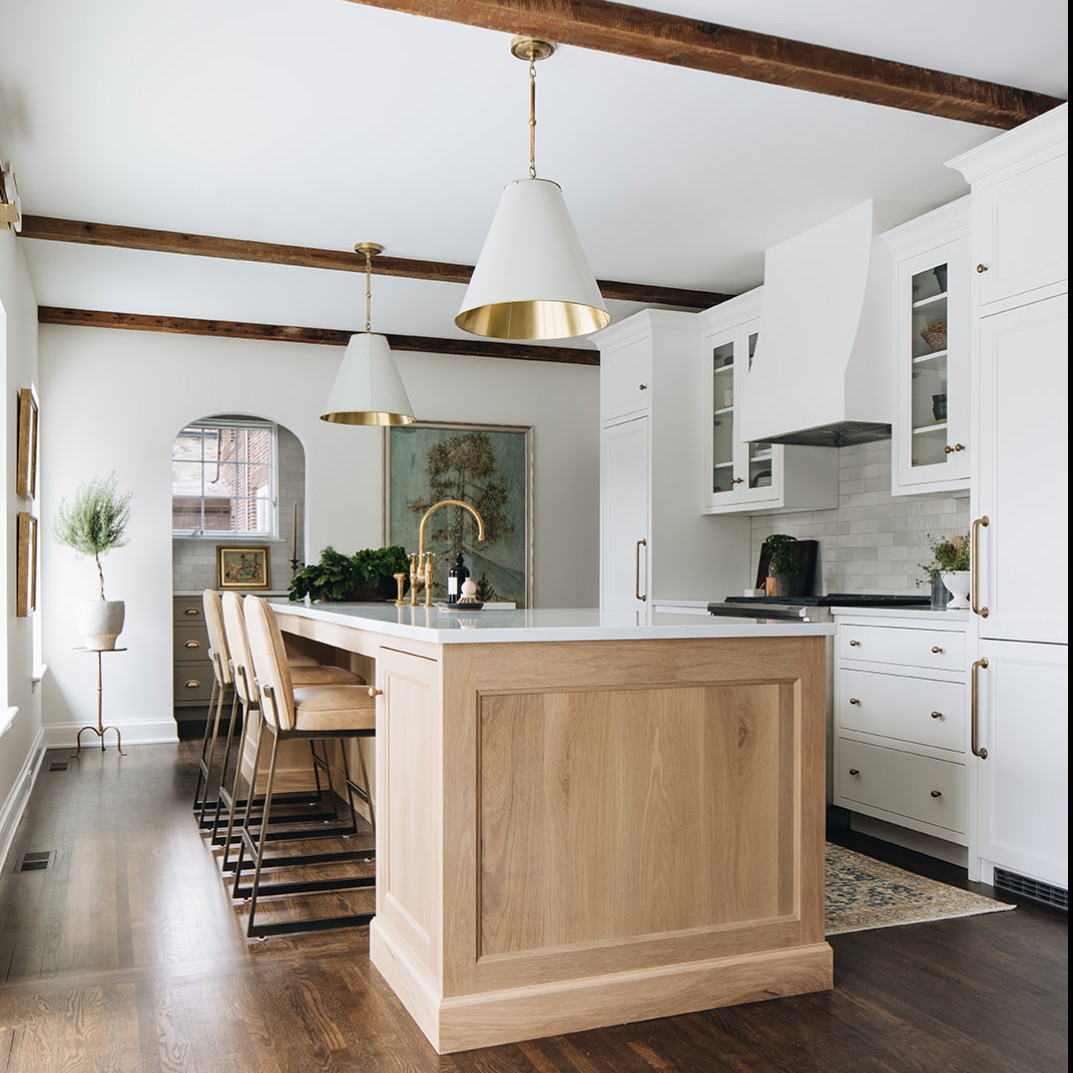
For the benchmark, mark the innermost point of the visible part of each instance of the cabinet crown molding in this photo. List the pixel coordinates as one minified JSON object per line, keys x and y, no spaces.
{"x":943,"y":224}
{"x":733,"y":311}
{"x":1018,"y":149}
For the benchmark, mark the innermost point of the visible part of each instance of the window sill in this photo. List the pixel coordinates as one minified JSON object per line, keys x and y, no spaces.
{"x":239,"y":539}
{"x":39,"y":673}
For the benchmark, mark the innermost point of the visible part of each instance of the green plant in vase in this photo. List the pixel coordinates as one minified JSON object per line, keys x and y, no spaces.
{"x":949,"y":568}
{"x":367,"y":575}
{"x":783,"y":566}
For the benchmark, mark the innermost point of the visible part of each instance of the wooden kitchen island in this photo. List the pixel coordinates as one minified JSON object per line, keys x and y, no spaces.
{"x":583,"y":821}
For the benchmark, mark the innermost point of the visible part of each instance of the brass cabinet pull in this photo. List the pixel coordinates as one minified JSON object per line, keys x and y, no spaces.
{"x":974,"y":706}
{"x":374,"y":692}
{"x":637,"y":570}
{"x":957,"y":447}
{"x":974,"y":577}
{"x":854,"y":771}
{"x":192,"y":684}
{"x":192,"y":644}
{"x":854,"y":700}
{"x":981,"y":268}
{"x":936,"y":715}
{"x":936,"y":793}
{"x":936,"y":649}
{"x":738,"y":480}
{"x":855,"y":644}
{"x":192,"y":611}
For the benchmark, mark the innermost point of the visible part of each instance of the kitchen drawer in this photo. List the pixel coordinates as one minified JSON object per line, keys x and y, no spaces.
{"x":190,"y":643}
{"x":192,"y":683}
{"x":919,"y":710}
{"x":903,"y":784}
{"x":188,"y":609}
{"x":930,"y":649}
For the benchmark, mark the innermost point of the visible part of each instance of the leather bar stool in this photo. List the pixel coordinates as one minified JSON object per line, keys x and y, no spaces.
{"x":222,"y":684}
{"x":305,"y":673}
{"x":305,"y":713}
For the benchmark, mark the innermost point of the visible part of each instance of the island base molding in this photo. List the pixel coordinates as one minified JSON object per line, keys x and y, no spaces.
{"x":494,"y":1018}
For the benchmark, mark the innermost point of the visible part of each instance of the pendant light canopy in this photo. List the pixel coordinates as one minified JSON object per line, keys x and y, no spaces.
{"x":532,"y":279}
{"x":368,"y":389}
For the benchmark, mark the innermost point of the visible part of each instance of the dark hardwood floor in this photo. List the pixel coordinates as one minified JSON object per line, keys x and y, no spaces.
{"x":125,"y":954}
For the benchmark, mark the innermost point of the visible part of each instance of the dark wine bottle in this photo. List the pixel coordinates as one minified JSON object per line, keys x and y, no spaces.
{"x":455,"y":576}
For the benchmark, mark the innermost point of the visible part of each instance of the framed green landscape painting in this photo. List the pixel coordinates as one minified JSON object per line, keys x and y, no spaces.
{"x":487,"y":466}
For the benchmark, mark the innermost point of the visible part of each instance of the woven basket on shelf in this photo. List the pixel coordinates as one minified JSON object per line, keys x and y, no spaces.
{"x":934,"y":334}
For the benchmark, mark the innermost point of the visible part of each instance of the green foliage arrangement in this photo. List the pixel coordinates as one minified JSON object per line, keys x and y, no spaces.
{"x":95,"y":520}
{"x":782,"y":559}
{"x":948,"y":556}
{"x":365,"y":575}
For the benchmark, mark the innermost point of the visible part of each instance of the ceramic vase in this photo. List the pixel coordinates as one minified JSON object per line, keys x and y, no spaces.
{"x":100,"y":622}
{"x":958,"y":583}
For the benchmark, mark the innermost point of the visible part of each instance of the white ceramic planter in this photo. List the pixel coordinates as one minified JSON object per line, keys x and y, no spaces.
{"x":100,"y":622}
{"x":958,"y":583}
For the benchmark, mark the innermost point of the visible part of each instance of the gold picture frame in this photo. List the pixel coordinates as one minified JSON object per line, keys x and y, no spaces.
{"x":26,"y":560}
{"x":241,"y":568}
{"x":26,"y":475}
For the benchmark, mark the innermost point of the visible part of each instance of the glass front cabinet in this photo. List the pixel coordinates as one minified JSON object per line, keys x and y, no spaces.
{"x":753,"y":478}
{"x":930,"y":435}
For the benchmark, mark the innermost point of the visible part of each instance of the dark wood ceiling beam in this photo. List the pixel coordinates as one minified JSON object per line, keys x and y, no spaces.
{"x":140,"y":322}
{"x":706,"y":46}
{"x":140,"y":238}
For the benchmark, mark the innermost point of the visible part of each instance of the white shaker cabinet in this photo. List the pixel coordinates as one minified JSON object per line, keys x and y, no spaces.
{"x":756,"y":478}
{"x":1021,"y":497}
{"x":1021,"y":721}
{"x":655,"y":544}
{"x":930,"y":440}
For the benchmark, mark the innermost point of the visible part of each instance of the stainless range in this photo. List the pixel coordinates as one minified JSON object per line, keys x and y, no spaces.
{"x":808,"y":608}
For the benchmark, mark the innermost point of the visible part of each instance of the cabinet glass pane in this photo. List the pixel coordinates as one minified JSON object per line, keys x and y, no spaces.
{"x":723,"y":417}
{"x":929,"y":360}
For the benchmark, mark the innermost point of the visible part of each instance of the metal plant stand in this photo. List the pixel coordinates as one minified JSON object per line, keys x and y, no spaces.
{"x":99,"y":729}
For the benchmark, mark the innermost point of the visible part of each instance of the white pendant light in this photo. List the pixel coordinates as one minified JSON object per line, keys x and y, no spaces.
{"x":368,"y":389}
{"x":532,"y":279}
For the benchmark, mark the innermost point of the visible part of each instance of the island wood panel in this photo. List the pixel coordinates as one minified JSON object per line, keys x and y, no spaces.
{"x":590,"y":802}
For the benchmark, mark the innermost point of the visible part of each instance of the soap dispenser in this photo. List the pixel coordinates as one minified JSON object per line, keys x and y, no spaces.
{"x":455,"y":577}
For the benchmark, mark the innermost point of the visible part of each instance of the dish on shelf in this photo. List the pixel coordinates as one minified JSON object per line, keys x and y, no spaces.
{"x":761,"y":479}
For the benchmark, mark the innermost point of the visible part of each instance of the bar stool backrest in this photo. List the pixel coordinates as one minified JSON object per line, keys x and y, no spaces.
{"x":269,"y":662}
{"x":218,"y":650}
{"x":239,"y":646}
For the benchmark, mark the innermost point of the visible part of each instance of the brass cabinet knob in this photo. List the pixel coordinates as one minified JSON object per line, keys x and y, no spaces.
{"x":854,"y":700}
{"x":957,"y":447}
{"x":936,"y":793}
{"x":642,"y":387}
{"x":981,"y":268}
{"x":373,"y":692}
{"x":192,"y":644}
{"x":192,"y":611}
{"x":193,"y":684}
{"x":936,"y":715}
{"x":855,"y":644}
{"x":854,"y":771}
{"x":738,"y":480}
{"x":936,"y":649}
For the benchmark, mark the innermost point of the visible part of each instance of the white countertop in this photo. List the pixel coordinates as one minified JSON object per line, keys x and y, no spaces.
{"x":540,"y":624}
{"x":935,"y":615}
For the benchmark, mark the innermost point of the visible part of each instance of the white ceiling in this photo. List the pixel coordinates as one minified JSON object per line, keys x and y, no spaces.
{"x":323,"y":123}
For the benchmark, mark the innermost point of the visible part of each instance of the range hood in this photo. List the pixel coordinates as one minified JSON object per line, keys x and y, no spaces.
{"x":821,"y":375}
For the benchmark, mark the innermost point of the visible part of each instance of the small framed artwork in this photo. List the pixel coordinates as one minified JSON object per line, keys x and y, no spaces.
{"x":26,"y":477}
{"x":241,"y":568}
{"x":26,"y":565}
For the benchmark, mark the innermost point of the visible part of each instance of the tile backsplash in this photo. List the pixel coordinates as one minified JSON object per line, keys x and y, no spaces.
{"x":872,"y":541}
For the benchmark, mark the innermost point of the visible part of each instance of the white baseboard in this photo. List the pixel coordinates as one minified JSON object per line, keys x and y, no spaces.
{"x":15,"y":805}
{"x":148,"y":732}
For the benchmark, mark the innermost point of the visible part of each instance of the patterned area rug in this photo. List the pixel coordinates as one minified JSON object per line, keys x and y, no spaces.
{"x":864,"y":893}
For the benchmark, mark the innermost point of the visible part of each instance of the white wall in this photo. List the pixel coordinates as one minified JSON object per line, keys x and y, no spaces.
{"x":20,"y":743}
{"x":114,"y":401}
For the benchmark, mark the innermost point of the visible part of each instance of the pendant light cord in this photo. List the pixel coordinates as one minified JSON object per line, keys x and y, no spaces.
{"x":532,"y":112}
{"x":368,"y":290}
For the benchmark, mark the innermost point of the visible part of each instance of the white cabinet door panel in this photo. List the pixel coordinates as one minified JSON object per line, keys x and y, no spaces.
{"x":1023,"y":723}
{"x":624,"y":521}
{"x":1022,"y":489}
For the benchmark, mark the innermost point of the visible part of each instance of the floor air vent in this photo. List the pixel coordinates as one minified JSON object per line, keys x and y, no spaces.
{"x":60,"y":765}
{"x":1032,"y":888}
{"x":35,"y":862}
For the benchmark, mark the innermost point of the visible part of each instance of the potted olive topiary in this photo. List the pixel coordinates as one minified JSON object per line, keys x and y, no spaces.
{"x":95,"y":522}
{"x":783,"y":566}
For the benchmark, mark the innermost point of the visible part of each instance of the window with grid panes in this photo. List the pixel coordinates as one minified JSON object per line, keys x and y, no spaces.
{"x":223,"y":478}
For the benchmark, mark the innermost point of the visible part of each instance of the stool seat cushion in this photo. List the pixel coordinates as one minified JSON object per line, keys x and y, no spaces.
{"x":334,"y":708}
{"x":296,"y":659}
{"x":324,"y":676}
